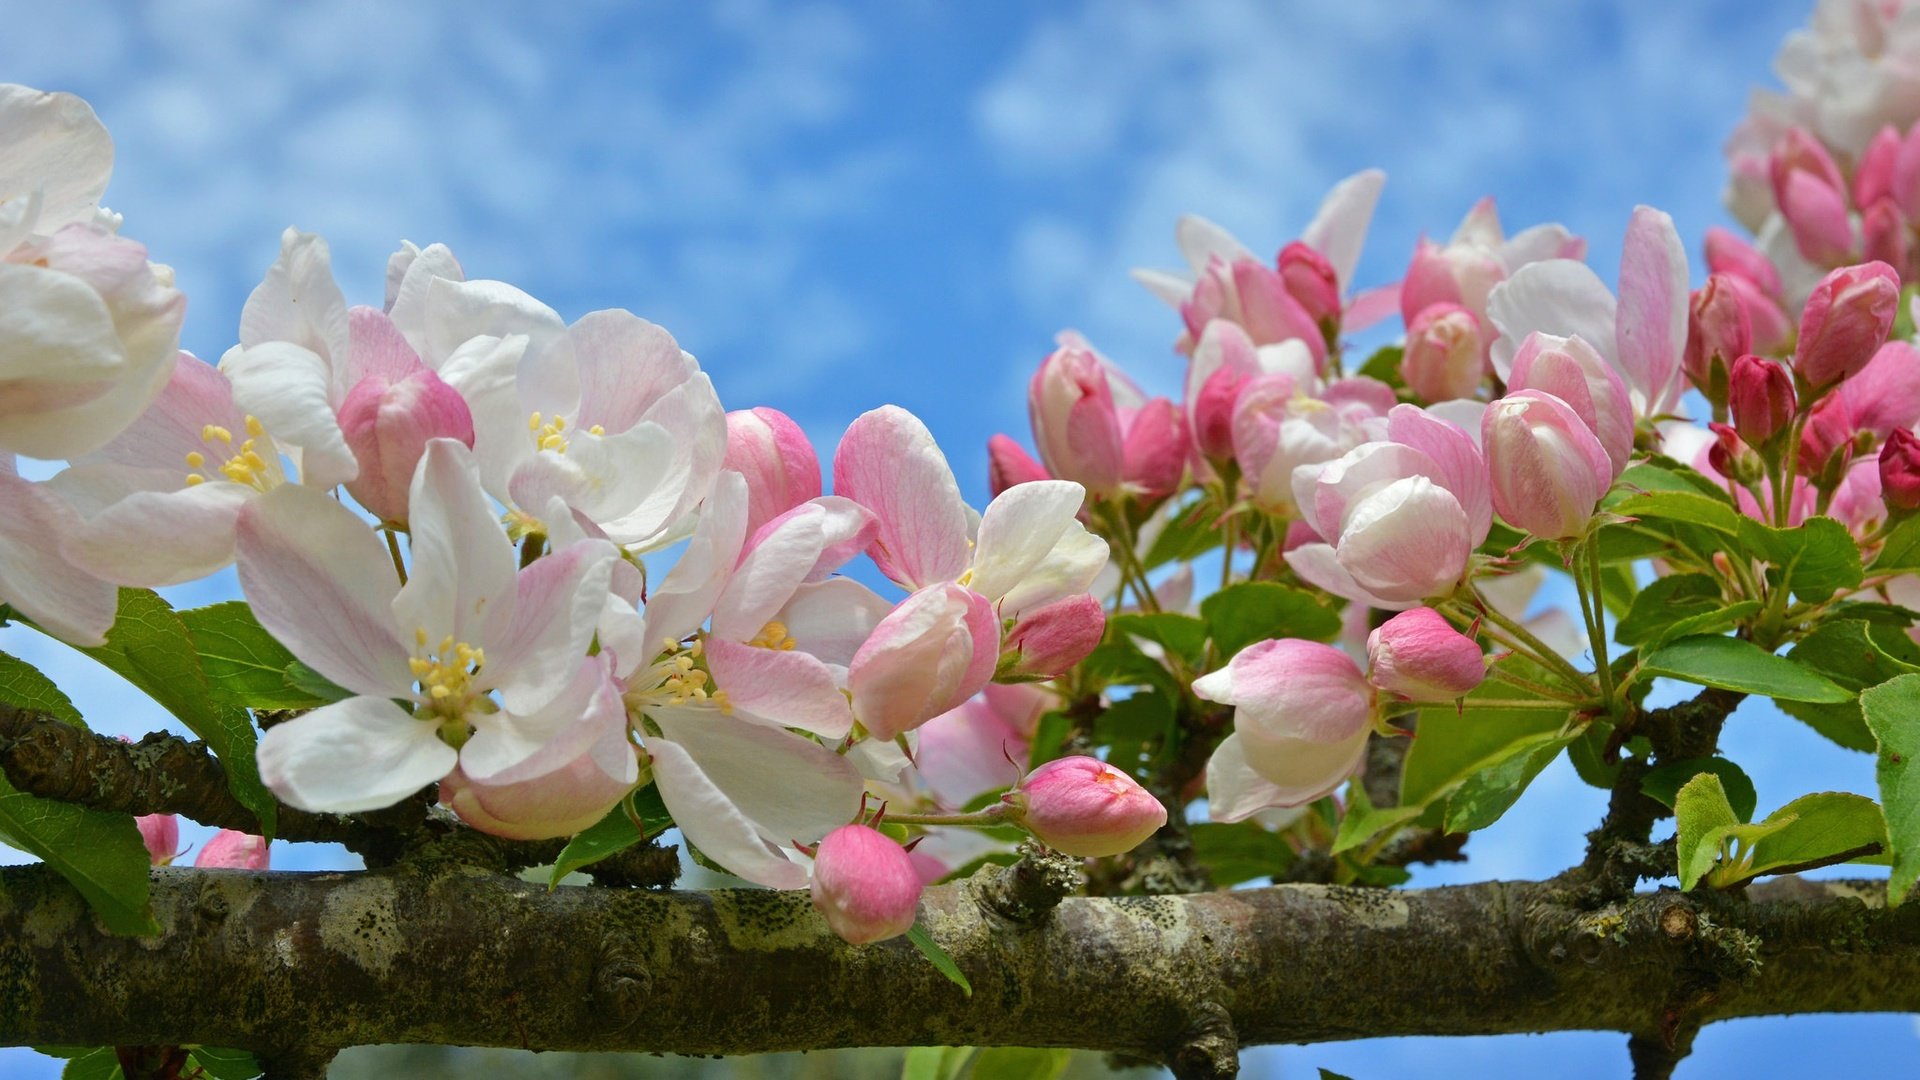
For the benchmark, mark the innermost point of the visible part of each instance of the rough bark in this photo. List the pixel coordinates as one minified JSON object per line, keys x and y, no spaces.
{"x":294,"y":965}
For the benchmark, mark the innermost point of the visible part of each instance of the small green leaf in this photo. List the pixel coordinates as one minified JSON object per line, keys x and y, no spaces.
{"x":1239,"y":615}
{"x":1814,"y":559}
{"x":224,"y":1064}
{"x":1452,"y":746}
{"x":938,"y":956}
{"x":1817,"y":830}
{"x":150,"y":647}
{"x":1900,"y":552}
{"x":1688,"y":507}
{"x":245,"y":666}
{"x":1121,"y":663}
{"x":1890,"y":710}
{"x":1737,"y":664}
{"x":935,"y":1062}
{"x":100,"y":1063}
{"x":1191,"y":531}
{"x":612,"y":834}
{"x":1663,"y":782}
{"x":1182,"y":635}
{"x":1136,"y":728}
{"x":1664,"y":601}
{"x":24,"y":686}
{"x":1490,"y":791}
{"x":1363,"y":821}
{"x":1384,"y":365}
{"x":1020,"y":1063}
{"x":1049,"y":738}
{"x":1242,"y":851}
{"x":100,"y":853}
{"x":1329,"y":1074}
{"x":1701,"y":816}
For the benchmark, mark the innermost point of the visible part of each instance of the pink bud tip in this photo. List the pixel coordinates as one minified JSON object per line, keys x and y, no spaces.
{"x":864,"y":885}
{"x":1086,"y":807}
{"x":1420,"y":656}
{"x":769,"y":449}
{"x":1445,"y":357}
{"x":1900,"y":470}
{"x":1845,"y":322}
{"x":1760,"y":392}
{"x":234,"y":850}
{"x":1050,"y":639}
{"x":1008,"y":464}
{"x":161,"y":834}
{"x":388,"y":424}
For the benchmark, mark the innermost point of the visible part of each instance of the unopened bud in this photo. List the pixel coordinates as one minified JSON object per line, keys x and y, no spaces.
{"x":1083,"y":806}
{"x":1050,"y":639}
{"x":1718,"y":331}
{"x":1420,"y":656}
{"x":161,"y":834}
{"x":864,"y":885}
{"x":1900,"y":470}
{"x":1008,"y":464}
{"x":1845,"y":322}
{"x":1762,"y":398}
{"x":235,"y":850}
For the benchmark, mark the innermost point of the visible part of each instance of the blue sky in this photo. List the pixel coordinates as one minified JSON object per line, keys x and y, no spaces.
{"x":838,"y":206}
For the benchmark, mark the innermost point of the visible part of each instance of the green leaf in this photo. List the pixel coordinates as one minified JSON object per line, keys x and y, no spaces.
{"x":1121,"y":663}
{"x":100,"y":853}
{"x":1900,"y":551}
{"x":245,"y":666}
{"x":1182,"y":635}
{"x":612,"y":834}
{"x":1329,"y":1074}
{"x":1137,"y":730}
{"x":1814,"y":559}
{"x":1242,"y":851}
{"x":100,"y":1063}
{"x":1663,"y":782}
{"x":22,"y":685}
{"x":935,"y":1062}
{"x":1384,"y":365}
{"x":150,"y":647}
{"x":1020,"y":1063}
{"x":938,"y":956}
{"x":1049,"y":738}
{"x":1891,"y":710}
{"x":1689,"y":507}
{"x":1489,"y":792}
{"x":1191,"y":532}
{"x":307,"y":682}
{"x":1663,"y":602}
{"x":1701,"y":817}
{"x":1452,"y":746}
{"x":224,"y":1064}
{"x":1816,"y":830}
{"x":1847,"y":652}
{"x":1737,"y":664}
{"x":1239,"y":615}
{"x":1363,"y":821}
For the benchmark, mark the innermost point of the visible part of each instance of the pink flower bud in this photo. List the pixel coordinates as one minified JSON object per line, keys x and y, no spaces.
{"x":1812,"y":197}
{"x":161,"y":834}
{"x":234,"y":850}
{"x":1224,"y":360}
{"x":1873,"y":177}
{"x":1446,"y":354}
{"x":1760,"y":392}
{"x":1008,"y":464}
{"x":1718,"y":330}
{"x":934,"y":651}
{"x":1075,"y":424}
{"x":388,"y":424}
{"x":1730,"y":456}
{"x":1728,"y":253}
{"x":1827,"y":435}
{"x":1083,"y":806}
{"x":864,"y":885}
{"x":1154,"y":451}
{"x":1269,"y":311}
{"x":1548,"y":469}
{"x":1845,"y":321}
{"x":1900,"y":470}
{"x":1302,"y":712}
{"x":1310,"y":279}
{"x":1419,"y":656}
{"x":1886,"y":234}
{"x":769,"y":449}
{"x":1050,"y":639}
{"x":1573,"y":371}
{"x":1772,"y":328}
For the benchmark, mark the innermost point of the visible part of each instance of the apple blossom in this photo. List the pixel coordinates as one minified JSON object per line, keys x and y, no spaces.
{"x":1845,"y":322}
{"x":1548,"y":469}
{"x":161,"y":834}
{"x":1418,"y":655}
{"x":1479,"y":256}
{"x":1008,"y":464}
{"x":1083,"y":806}
{"x":1445,"y":351}
{"x":1302,"y":713}
{"x":36,"y":578}
{"x":864,"y":885}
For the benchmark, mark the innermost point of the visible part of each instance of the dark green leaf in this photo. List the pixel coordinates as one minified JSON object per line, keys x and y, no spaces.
{"x":1665,"y":601}
{"x":1049,"y":738}
{"x":1329,"y":1074}
{"x":22,"y":685}
{"x":1182,"y":635}
{"x":1192,"y":532}
{"x":614,"y":833}
{"x":245,"y":666}
{"x":222,"y":1064}
{"x":1900,"y":552}
{"x":1737,"y":664}
{"x":1663,"y":783}
{"x":932,"y":951}
{"x":100,"y":853}
{"x":1020,"y":1063}
{"x":100,"y":1063}
{"x":1135,"y":728}
{"x":305,"y":681}
{"x":1453,"y":746}
{"x":1490,"y":791}
{"x":1891,"y":710}
{"x":1846,"y":652}
{"x":1814,"y":559}
{"x":1121,"y":663}
{"x":150,"y":647}
{"x":1239,"y":615}
{"x":1239,"y":852}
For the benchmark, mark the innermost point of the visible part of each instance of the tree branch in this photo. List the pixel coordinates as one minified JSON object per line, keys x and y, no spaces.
{"x":295,"y":965}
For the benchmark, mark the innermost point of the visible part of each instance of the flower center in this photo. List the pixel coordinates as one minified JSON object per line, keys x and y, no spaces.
{"x":550,"y":433}
{"x":774,"y":636}
{"x":677,"y":678}
{"x":244,"y":464}
{"x":445,"y":673}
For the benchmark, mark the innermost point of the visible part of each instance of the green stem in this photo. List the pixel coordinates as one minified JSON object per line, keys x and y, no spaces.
{"x":1597,"y":621}
{"x":393,"y":548}
{"x":993,"y":815}
{"x":1522,"y":640}
{"x":1530,"y":686}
